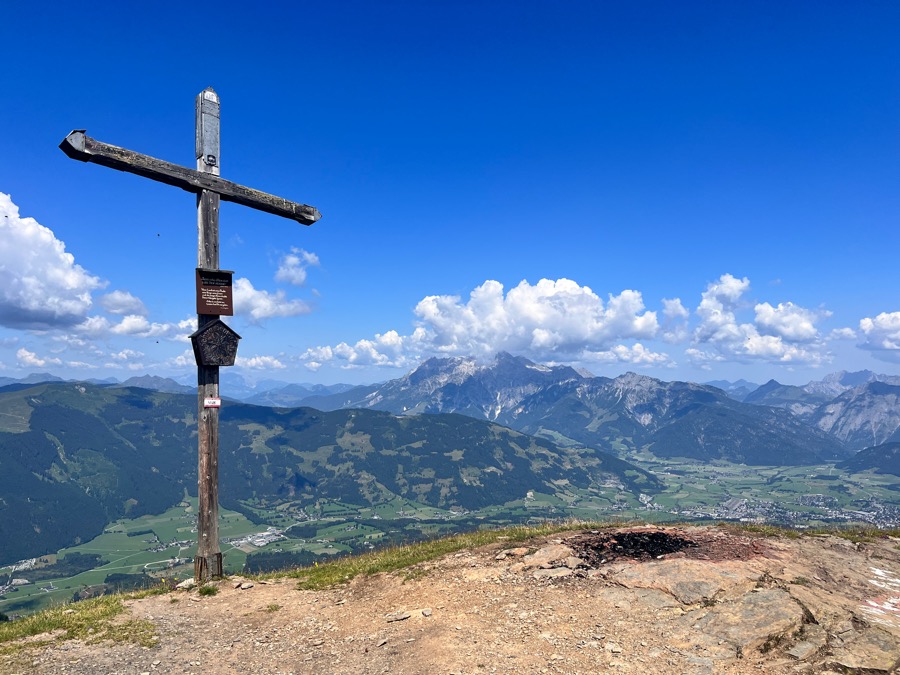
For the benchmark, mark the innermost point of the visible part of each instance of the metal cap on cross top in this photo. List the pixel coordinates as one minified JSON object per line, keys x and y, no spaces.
{"x":215,"y":344}
{"x":207,"y":143}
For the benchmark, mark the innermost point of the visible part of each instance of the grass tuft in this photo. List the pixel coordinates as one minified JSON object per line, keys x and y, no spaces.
{"x":89,"y":620}
{"x":760,"y":529}
{"x":858,"y":534}
{"x":855,"y":533}
{"x":334,"y":573}
{"x":343,"y":570}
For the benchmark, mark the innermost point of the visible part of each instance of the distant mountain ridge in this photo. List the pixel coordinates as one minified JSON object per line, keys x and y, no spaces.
{"x":856,"y":409}
{"x":863,"y":416}
{"x":859,"y":409}
{"x":883,"y":458}
{"x":626,"y":414}
{"x":33,"y":378}
{"x":291,"y":395}
{"x":461,"y":385}
{"x":670,"y":419}
{"x":797,"y":400}
{"x":841,"y":381}
{"x":233,"y":386}
{"x":74,"y":457}
{"x":737,"y":390}
{"x":156,"y":383}
{"x":266,"y":391}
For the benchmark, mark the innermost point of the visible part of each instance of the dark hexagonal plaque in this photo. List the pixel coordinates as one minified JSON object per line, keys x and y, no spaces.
{"x":215,"y":344}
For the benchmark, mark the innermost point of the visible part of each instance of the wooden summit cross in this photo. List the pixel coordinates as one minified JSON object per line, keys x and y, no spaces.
{"x":213,"y":289}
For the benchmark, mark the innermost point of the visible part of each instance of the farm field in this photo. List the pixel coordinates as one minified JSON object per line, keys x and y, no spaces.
{"x":156,"y":546}
{"x":800,"y":496}
{"x":273,"y":534}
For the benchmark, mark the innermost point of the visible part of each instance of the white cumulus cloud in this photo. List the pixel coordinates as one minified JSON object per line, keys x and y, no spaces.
{"x":563,"y":321}
{"x":122,"y":302}
{"x":789,"y":335}
{"x":94,"y":326}
{"x":41,"y":286}
{"x":703,"y":358}
{"x":28,"y":359}
{"x":881,"y":335}
{"x":259,"y":363}
{"x":293,"y":266}
{"x":139,"y":326}
{"x":183,"y":360}
{"x":636,"y":354}
{"x":388,"y":349}
{"x":82,"y":364}
{"x":675,"y":321}
{"x":716,"y":311}
{"x":549,"y":320}
{"x":261,"y":305}
{"x":126,"y":355}
{"x":134,"y":325}
{"x":789,"y":321}
{"x":842,"y":334}
{"x":673,"y":309}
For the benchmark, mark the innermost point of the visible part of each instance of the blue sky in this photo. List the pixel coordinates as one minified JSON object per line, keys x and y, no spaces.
{"x":688,"y":190}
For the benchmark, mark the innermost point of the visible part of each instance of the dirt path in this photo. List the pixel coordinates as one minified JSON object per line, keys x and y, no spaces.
{"x":579,"y":603}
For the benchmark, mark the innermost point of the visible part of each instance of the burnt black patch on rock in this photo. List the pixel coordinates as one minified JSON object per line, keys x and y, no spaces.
{"x":596,"y":549}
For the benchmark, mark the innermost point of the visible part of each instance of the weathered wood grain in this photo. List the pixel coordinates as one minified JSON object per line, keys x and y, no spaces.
{"x":208,"y":561}
{"x":82,"y":147}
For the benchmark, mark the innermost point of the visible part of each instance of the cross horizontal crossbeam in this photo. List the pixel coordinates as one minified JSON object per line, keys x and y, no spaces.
{"x":82,"y":147}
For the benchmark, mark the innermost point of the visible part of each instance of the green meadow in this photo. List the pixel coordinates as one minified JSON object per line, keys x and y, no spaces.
{"x":160,"y":547}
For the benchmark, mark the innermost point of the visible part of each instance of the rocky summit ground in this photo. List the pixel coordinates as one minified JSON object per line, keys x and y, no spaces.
{"x":631,"y":600}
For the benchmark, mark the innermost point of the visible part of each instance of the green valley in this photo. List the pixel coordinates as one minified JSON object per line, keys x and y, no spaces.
{"x":276,"y":533}
{"x":97,"y":484}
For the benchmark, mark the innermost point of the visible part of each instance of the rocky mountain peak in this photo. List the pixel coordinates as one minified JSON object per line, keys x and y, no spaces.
{"x":637,"y":391}
{"x":863,"y":416}
{"x":461,"y":384}
{"x":632,"y":380}
{"x":437,"y":372}
{"x":837,"y":383}
{"x":768,"y":386}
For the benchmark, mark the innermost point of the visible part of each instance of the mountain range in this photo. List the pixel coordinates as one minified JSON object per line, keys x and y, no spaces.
{"x":623,"y":415}
{"x":452,"y":433}
{"x":74,"y":457}
{"x":859,"y":409}
{"x":856,"y":410}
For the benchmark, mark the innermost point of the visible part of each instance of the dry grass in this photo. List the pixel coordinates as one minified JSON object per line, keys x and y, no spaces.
{"x":396,"y":558}
{"x":90,"y":620}
{"x":855,"y":533}
{"x":95,"y":619}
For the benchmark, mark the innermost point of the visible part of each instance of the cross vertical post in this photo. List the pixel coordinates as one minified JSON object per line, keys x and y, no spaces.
{"x":211,"y":189}
{"x":208,"y":561}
